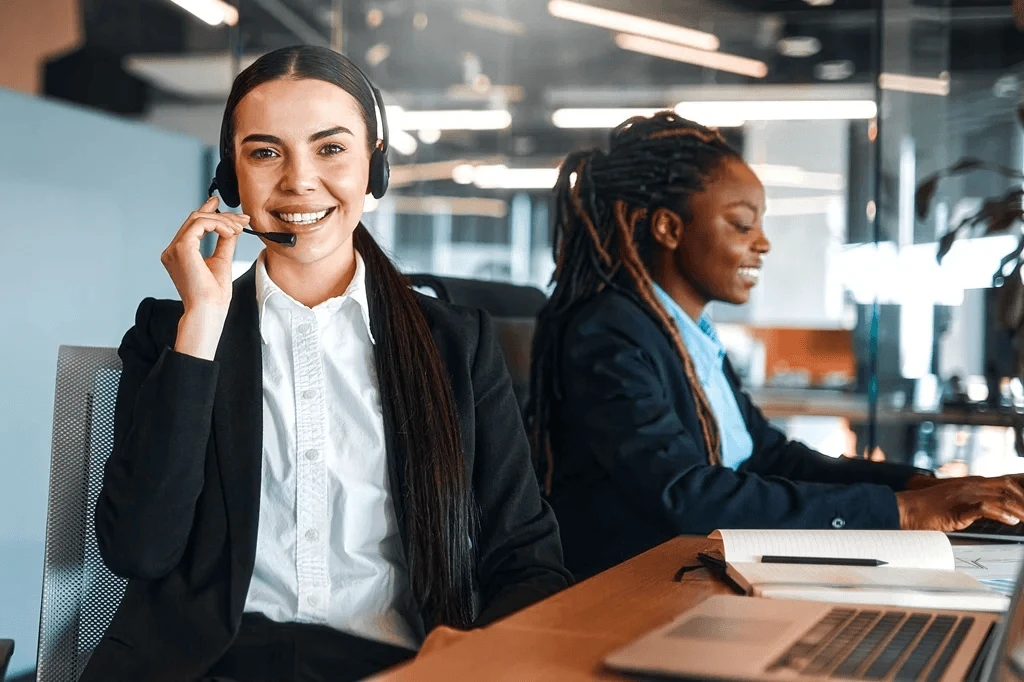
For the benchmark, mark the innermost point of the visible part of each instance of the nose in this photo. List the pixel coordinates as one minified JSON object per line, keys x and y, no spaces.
{"x":299,"y":175}
{"x":761,"y":244}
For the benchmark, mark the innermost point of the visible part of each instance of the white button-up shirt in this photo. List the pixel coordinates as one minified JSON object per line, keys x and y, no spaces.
{"x":328,"y":549}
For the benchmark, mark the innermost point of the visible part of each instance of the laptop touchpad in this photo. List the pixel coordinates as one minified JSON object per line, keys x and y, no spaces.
{"x":725,"y":629}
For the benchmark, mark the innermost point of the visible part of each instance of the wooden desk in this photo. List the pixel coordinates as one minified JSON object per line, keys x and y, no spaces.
{"x":565,"y":637}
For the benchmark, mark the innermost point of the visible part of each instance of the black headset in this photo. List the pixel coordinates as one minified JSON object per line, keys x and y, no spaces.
{"x":225,"y":180}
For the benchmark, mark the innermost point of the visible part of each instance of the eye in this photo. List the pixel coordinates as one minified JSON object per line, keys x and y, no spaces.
{"x":262,"y":153}
{"x":743,"y":227}
{"x":331,"y":149}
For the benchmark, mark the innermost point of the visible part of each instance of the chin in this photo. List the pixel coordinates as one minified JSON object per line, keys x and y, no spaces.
{"x":737,"y":298}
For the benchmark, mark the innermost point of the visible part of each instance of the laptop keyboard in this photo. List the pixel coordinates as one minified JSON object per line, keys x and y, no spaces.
{"x":864,"y":644}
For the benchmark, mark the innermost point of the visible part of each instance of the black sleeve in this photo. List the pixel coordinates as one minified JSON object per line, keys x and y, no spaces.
{"x":520,"y":553}
{"x":620,"y":410}
{"x":775,"y":455}
{"x":153,"y":478}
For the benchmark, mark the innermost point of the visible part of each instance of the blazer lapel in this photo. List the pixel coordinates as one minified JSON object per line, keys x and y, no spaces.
{"x":238,"y":430}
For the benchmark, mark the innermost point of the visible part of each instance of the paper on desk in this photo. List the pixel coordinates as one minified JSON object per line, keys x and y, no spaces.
{"x":997,"y":566}
{"x":909,"y":587}
{"x":898,"y":548}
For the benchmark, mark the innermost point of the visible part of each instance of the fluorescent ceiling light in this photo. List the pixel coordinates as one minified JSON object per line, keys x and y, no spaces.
{"x":772,"y":175}
{"x":429,"y":135}
{"x":403,"y":142}
{"x":492,"y":22}
{"x":411,"y":173}
{"x":597,"y":118}
{"x":916,"y":84}
{"x":500,"y":176}
{"x":487,"y":93}
{"x":213,"y":12}
{"x":724,"y":114}
{"x":630,"y":23}
{"x":455,"y":119}
{"x":798,"y":46}
{"x":779,"y":110}
{"x":681,"y":53}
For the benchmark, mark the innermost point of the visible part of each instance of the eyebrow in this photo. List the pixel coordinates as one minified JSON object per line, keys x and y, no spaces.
{"x":273,"y":139}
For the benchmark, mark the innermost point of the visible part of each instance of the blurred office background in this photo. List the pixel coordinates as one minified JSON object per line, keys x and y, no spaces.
{"x":856,"y":339}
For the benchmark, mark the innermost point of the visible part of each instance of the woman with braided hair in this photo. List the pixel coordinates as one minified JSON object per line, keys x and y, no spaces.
{"x":639,"y":421}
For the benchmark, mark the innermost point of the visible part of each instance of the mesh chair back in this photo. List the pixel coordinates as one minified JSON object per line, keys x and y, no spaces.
{"x":79,"y":594}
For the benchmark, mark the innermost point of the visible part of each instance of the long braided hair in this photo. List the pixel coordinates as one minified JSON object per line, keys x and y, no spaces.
{"x":602,"y":238}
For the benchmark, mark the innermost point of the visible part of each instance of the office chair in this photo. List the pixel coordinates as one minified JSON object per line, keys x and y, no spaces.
{"x":514,"y":309}
{"x":6,"y":651}
{"x":79,"y":594}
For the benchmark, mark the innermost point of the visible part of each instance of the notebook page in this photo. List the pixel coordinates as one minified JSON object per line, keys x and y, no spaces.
{"x":899,"y":548}
{"x":884,"y":585}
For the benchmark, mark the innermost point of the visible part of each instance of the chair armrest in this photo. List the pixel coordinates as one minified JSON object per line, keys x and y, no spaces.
{"x":6,"y":651}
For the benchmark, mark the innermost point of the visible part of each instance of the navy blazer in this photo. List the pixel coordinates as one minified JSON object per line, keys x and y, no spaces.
{"x":630,"y":466}
{"x":179,"y":509}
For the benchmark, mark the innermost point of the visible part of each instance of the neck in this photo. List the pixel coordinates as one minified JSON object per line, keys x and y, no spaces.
{"x":313,"y":283}
{"x":684,"y":293}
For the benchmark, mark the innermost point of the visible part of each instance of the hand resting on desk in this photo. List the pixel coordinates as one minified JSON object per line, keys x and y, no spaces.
{"x":955,"y":503}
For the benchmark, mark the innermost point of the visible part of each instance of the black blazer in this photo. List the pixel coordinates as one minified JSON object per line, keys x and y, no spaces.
{"x":178,"y":512}
{"x":631,"y":469}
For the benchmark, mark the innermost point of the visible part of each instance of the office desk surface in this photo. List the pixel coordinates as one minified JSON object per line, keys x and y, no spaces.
{"x":565,"y":637}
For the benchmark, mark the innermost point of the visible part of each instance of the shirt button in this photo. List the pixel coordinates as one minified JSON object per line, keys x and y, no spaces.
{"x":838,"y":523}
{"x":309,"y":395}
{"x":312,"y":535}
{"x":304,"y":328}
{"x":312,"y":600}
{"x":311,"y":455}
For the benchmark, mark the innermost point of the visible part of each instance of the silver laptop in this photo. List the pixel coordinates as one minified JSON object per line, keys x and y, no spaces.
{"x":748,"y":638}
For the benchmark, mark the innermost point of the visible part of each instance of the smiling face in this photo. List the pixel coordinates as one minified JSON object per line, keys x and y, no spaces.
{"x":302,"y":158}
{"x":717,"y":254}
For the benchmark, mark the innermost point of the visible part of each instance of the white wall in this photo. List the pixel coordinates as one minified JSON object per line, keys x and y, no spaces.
{"x":89,"y":201}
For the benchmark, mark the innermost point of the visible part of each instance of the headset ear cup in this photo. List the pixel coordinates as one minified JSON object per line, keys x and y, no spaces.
{"x":380,"y":173}
{"x":227,"y":184}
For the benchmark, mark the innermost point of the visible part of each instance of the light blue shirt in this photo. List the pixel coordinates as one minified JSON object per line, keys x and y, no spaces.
{"x":708,"y":356}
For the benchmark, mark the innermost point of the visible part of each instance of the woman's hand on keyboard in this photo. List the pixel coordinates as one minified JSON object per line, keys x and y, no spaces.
{"x":955,"y":503}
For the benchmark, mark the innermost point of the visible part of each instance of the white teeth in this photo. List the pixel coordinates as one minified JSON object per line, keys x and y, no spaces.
{"x":302,"y":218}
{"x":750,"y":274}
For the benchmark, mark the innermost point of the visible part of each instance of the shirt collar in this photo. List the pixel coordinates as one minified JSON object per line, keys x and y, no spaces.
{"x":267,"y":291}
{"x":706,"y":350}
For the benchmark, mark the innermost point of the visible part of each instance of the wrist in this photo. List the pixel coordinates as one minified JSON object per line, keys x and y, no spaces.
{"x":199,"y":332}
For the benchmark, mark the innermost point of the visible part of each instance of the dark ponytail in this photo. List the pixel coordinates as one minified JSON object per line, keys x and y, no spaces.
{"x":416,"y":393}
{"x":417,"y":398}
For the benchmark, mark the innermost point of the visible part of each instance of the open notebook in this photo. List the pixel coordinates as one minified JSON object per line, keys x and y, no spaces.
{"x":918,"y":572}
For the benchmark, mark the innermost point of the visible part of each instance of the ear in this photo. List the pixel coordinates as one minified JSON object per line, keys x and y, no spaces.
{"x":667,"y":228}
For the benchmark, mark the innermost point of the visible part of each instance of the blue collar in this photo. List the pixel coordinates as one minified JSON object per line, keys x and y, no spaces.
{"x":700,"y":338}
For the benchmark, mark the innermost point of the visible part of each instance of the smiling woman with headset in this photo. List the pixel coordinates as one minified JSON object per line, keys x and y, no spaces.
{"x":313,"y":466}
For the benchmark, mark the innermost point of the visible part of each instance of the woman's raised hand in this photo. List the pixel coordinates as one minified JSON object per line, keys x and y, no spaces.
{"x":204,"y":284}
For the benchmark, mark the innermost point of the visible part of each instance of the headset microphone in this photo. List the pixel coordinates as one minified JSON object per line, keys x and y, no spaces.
{"x":286,"y":238}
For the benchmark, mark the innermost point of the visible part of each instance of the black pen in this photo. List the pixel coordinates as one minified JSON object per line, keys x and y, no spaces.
{"x":821,"y":561}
